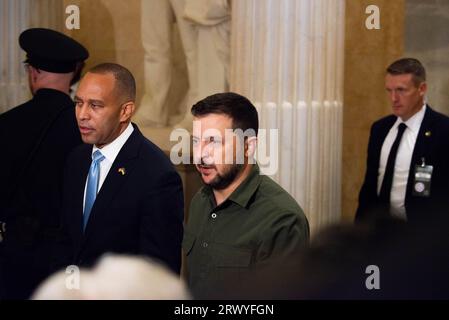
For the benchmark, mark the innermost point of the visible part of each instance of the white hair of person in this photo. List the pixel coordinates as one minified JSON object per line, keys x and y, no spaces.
{"x":117,"y":277}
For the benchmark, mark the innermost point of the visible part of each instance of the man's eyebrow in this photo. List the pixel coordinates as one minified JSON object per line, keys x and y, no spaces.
{"x":95,"y":101}
{"x":212,"y":136}
{"x":90,"y":101}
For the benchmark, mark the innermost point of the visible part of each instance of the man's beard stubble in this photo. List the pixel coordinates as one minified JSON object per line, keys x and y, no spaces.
{"x":222,"y":181}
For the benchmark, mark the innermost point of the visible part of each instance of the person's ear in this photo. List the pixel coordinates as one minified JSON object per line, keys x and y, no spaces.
{"x":250,"y":147}
{"x":127,"y":112}
{"x":34,"y":73}
{"x":422,"y":89}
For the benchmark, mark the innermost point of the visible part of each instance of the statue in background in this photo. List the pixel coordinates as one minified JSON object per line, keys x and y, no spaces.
{"x":204,"y":31}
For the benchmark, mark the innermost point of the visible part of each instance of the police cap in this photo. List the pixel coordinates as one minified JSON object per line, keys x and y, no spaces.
{"x":51,"y":51}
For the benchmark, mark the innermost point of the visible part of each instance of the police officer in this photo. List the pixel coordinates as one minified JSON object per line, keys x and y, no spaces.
{"x":35,"y":139}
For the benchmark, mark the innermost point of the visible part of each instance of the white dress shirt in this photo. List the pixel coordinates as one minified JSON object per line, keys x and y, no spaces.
{"x":109,"y":152}
{"x":403,"y":161}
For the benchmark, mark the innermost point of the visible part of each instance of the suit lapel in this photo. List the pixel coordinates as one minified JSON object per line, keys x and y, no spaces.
{"x":114,"y":180}
{"x":79,"y":183}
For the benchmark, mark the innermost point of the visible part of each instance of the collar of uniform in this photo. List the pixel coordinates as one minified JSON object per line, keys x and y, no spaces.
{"x":244,"y":191}
{"x":51,"y":102}
{"x":47,"y":93}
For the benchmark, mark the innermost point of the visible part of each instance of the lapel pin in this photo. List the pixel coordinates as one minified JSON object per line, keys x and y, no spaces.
{"x":428,"y":133}
{"x":122,"y":171}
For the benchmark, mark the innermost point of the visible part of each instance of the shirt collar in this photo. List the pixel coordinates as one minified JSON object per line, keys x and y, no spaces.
{"x":244,"y":192}
{"x":414,"y":123}
{"x":111,"y":150}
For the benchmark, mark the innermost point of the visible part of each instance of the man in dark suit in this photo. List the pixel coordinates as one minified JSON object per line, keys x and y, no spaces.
{"x":407,"y":174}
{"x":121,"y":192}
{"x":36,"y":138}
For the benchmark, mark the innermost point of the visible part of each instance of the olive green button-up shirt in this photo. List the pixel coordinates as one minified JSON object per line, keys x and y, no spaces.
{"x":259,"y":221}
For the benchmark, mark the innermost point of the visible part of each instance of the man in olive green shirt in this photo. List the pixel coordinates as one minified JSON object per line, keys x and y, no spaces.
{"x":240,"y":221}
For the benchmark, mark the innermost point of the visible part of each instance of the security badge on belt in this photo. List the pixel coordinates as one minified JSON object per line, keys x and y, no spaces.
{"x":423,"y":177}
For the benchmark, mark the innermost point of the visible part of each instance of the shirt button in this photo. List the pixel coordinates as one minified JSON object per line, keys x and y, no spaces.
{"x":214,"y":215}
{"x":205,"y":244}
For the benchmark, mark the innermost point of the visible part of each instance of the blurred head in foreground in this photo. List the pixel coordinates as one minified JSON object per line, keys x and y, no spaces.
{"x":115,"y":277}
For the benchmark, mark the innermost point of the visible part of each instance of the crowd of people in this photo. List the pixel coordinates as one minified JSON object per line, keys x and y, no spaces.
{"x":80,"y":181}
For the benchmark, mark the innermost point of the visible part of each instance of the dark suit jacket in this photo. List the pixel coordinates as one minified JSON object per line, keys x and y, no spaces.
{"x":434,"y":147}
{"x":139,"y":212}
{"x":35,"y":140}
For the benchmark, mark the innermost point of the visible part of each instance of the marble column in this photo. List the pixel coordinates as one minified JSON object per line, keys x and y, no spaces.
{"x":13,"y":82}
{"x":16,"y":16}
{"x":431,"y":48}
{"x":287,"y":57}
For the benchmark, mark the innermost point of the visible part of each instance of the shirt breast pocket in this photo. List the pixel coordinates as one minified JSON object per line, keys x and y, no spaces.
{"x":232,"y":264}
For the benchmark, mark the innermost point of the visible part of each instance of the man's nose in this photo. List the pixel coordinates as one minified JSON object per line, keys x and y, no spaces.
{"x":201,"y":151}
{"x":206,"y":150}
{"x":82,"y":112}
{"x":394,"y":96}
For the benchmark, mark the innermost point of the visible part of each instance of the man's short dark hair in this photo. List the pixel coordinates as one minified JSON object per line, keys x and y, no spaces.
{"x":125,"y":84}
{"x":408,"y":66}
{"x":237,"y":107}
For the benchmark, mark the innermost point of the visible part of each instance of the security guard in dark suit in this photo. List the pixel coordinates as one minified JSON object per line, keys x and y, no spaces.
{"x":407,"y":172}
{"x":35,"y":139}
